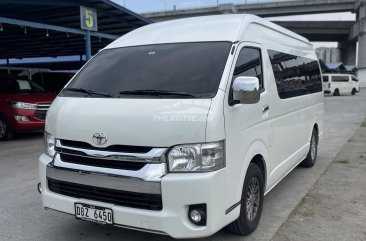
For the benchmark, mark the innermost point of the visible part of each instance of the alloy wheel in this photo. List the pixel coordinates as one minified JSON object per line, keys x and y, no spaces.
{"x":253,"y":199}
{"x":2,"y":129}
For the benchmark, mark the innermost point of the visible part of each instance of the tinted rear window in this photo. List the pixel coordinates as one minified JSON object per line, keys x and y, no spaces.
{"x":194,"y":68}
{"x":295,"y":75}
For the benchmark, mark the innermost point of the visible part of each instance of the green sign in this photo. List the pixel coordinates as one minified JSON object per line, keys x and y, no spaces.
{"x":88,"y":19}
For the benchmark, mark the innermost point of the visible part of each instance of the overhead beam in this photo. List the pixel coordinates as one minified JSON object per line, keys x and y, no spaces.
{"x":44,"y":2}
{"x":270,"y":9}
{"x":55,"y":28}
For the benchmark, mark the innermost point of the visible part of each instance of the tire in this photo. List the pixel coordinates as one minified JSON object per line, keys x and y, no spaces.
{"x":313,"y":151}
{"x":244,"y":225}
{"x":353,"y":91}
{"x":5,"y":132}
{"x":336,"y":92}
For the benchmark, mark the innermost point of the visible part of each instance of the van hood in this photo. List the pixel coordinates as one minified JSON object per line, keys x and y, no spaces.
{"x":33,"y":98}
{"x":133,"y":122}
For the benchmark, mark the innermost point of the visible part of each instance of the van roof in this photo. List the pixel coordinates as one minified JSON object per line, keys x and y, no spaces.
{"x":230,"y":27}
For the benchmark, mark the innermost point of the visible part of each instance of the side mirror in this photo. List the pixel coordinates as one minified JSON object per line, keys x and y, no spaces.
{"x":245,"y":90}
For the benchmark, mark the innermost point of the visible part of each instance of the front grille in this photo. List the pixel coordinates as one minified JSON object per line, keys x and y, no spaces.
{"x":117,"y":197}
{"x":113,"y":148}
{"x":41,"y":111}
{"x":89,"y":161}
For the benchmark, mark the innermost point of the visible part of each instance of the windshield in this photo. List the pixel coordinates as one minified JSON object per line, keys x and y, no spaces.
{"x":15,"y":85}
{"x":183,"y":69}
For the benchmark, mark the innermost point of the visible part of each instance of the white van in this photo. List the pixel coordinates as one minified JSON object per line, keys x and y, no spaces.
{"x":340,"y":84}
{"x":182,"y":127}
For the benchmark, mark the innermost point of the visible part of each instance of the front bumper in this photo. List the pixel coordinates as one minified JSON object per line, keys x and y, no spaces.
{"x":28,"y":126}
{"x":178,"y":192}
{"x":34,"y":124}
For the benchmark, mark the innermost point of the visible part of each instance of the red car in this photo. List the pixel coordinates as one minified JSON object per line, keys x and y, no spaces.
{"x":23,"y":106}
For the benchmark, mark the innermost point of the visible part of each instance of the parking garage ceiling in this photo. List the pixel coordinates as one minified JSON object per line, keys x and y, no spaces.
{"x":17,"y":41}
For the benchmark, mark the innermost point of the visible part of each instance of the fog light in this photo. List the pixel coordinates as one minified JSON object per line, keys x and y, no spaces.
{"x":197,"y":214}
{"x":21,"y":118}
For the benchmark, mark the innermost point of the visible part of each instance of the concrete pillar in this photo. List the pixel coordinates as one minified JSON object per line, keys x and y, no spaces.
{"x":348,"y":52}
{"x":361,"y":61}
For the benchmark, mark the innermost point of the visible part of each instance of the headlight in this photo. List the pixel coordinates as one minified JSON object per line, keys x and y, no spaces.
{"x":197,"y":157}
{"x":22,"y":105}
{"x":49,"y":144}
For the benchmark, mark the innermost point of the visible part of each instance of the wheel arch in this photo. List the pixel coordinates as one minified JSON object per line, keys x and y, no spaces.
{"x":260,"y":161}
{"x":257,"y":153}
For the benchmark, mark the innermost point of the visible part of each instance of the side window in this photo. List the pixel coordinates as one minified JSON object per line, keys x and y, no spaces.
{"x":354,"y":79}
{"x":249,"y":63}
{"x":340,"y":78}
{"x":325,"y":78}
{"x":295,"y":75}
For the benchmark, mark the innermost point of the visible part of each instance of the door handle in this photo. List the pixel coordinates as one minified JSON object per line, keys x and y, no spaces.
{"x":265,"y":108}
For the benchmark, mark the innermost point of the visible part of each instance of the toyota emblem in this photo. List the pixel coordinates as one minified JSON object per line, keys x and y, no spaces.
{"x":100,"y":138}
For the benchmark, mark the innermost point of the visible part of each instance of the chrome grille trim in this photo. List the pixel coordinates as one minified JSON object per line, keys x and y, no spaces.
{"x":149,"y":173}
{"x":45,"y":106}
{"x":41,"y":110}
{"x":101,"y":181}
{"x":155,"y":155}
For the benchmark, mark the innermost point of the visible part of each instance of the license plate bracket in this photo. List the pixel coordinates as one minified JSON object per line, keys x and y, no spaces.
{"x":92,"y":213}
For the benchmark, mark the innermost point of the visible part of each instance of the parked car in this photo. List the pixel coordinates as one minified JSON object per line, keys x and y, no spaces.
{"x":23,"y":103}
{"x":181,"y":127}
{"x":340,"y":84}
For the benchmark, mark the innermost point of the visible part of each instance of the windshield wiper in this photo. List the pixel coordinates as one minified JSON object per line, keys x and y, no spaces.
{"x":88,"y":92}
{"x":156,"y":93}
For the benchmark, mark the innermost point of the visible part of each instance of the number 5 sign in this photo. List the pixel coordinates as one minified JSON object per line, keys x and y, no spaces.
{"x":88,"y":19}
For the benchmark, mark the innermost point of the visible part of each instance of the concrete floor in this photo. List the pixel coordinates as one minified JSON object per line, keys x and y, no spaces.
{"x":335,"y":207}
{"x":23,"y":218}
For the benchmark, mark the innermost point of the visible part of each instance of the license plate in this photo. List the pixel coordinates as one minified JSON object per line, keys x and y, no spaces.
{"x":93,"y":214}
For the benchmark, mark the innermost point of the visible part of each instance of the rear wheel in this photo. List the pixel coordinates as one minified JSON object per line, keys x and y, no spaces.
{"x":336,"y":92}
{"x":5,"y":132}
{"x":353,"y":91}
{"x":313,"y":151}
{"x":251,"y":202}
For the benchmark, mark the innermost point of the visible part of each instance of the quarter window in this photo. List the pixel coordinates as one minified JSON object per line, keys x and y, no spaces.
{"x":249,"y":63}
{"x":342,"y":78}
{"x":295,"y":75}
{"x":325,"y":78}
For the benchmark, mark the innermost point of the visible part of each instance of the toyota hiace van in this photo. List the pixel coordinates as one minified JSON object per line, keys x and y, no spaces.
{"x":340,"y":84}
{"x":181,"y":127}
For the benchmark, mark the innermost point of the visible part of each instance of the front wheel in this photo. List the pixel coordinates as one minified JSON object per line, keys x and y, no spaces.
{"x":251,"y":202}
{"x":336,"y":92}
{"x":313,"y":151}
{"x":353,"y":91}
{"x":5,"y":132}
